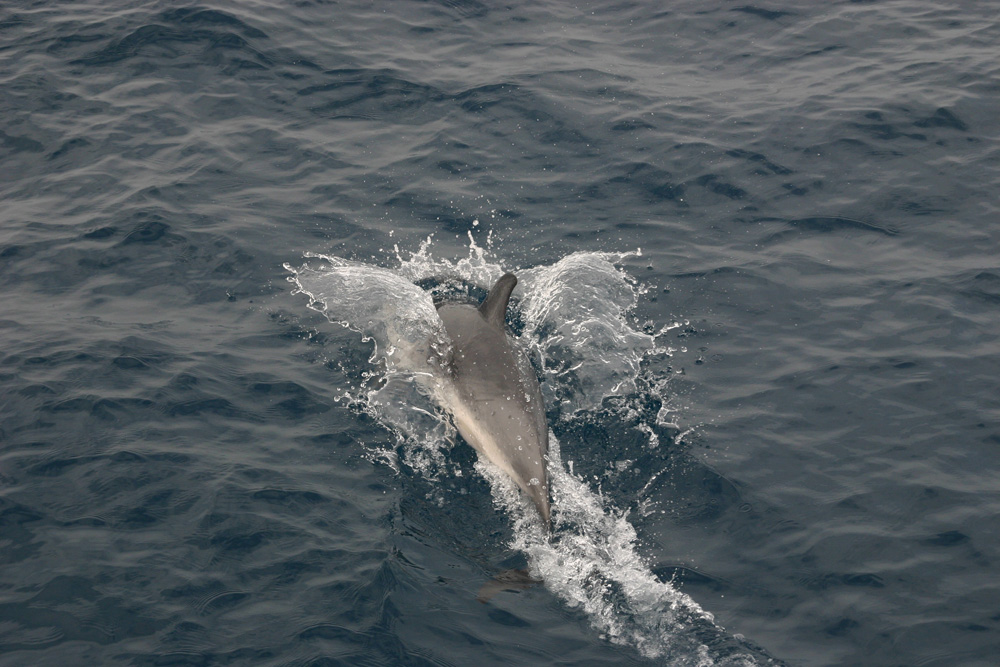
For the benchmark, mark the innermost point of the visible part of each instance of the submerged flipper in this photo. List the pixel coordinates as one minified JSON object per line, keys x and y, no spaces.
{"x":508,"y":580}
{"x":494,"y":309}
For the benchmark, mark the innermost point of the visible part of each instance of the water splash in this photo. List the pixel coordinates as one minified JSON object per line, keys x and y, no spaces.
{"x":592,"y":562}
{"x":576,"y":326}
{"x":400,"y":322}
{"x":576,"y":319}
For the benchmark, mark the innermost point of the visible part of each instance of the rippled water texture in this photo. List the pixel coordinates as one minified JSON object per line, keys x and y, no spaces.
{"x":774,"y":405}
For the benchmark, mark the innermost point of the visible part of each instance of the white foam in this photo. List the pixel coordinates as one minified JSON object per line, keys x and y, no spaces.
{"x":593,"y":563}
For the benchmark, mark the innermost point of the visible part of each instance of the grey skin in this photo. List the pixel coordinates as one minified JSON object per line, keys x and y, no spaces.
{"x":494,"y":395}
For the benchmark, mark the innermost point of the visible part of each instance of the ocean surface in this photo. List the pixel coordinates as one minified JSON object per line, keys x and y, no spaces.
{"x":759,"y":258}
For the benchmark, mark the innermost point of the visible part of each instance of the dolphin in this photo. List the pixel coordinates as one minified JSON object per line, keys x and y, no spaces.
{"x":493,"y":393}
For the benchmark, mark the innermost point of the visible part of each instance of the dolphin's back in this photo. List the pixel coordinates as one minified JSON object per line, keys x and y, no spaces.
{"x":497,"y":403}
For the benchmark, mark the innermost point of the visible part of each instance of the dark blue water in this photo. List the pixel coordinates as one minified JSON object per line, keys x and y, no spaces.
{"x":797,"y":460}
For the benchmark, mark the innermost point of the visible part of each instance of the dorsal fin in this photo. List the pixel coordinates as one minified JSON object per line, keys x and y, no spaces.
{"x":494,"y":309}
